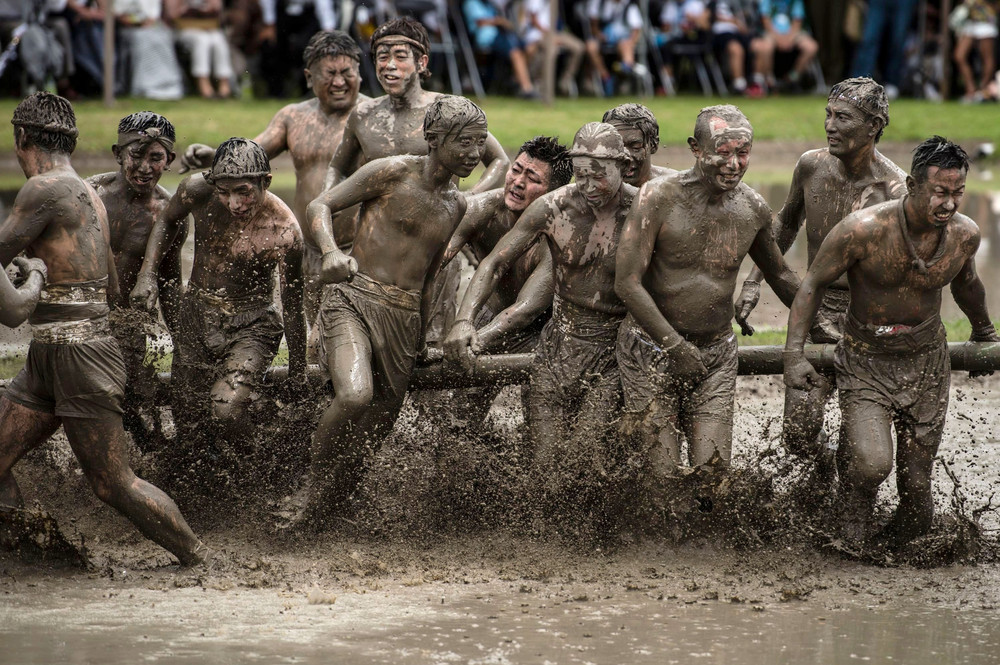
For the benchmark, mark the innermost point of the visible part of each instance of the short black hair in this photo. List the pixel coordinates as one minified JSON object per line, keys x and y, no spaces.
{"x":867,"y":95}
{"x":48,"y":121}
{"x":409,"y":27}
{"x":548,"y":149}
{"x":330,"y":44}
{"x":940,"y":152}
{"x":638,"y":116}
{"x":143,"y":120}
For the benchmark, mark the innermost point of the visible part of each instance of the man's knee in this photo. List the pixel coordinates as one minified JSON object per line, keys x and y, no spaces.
{"x":109,"y":485}
{"x":869,"y":468}
{"x":355,"y":400}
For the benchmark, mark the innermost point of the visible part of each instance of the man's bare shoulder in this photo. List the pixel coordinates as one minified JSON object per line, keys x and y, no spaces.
{"x":364,"y":109}
{"x":54,"y":188}
{"x":887,"y":170}
{"x":100,"y":181}
{"x":161,"y":193}
{"x":660,"y":171}
{"x":483,"y":205}
{"x":194,"y":188}
{"x":665,"y":188}
{"x":871,"y":221}
{"x":964,"y":227}
{"x":810,"y":160}
{"x":757,"y":202}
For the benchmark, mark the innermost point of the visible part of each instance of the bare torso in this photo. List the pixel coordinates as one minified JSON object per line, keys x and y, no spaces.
{"x":60,"y":219}
{"x":311,"y":138}
{"x":385,"y":131}
{"x":885,"y":288}
{"x":237,"y":256}
{"x":400,"y":233}
{"x":583,"y":245}
{"x":698,"y":251}
{"x":491,"y":220}
{"x":130,"y":220}
{"x":829,"y":194}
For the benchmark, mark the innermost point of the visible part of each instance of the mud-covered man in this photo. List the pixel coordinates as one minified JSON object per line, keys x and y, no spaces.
{"x":370,"y":314}
{"x":311,"y":131}
{"x":393,"y":125}
{"x":641,"y":134}
{"x":827,"y":185}
{"x":892,"y":363}
{"x":229,"y":328}
{"x":574,"y":388}
{"x":678,"y":260}
{"x":134,"y":199}
{"x":74,"y":375}
{"x":524,"y":292}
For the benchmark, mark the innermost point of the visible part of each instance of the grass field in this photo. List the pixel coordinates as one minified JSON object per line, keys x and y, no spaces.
{"x":512,"y":120}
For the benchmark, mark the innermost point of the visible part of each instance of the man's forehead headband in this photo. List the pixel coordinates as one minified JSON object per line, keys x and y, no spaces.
{"x":145,"y":135}
{"x":54,"y":127}
{"x":391,"y":40}
{"x":857,"y":102}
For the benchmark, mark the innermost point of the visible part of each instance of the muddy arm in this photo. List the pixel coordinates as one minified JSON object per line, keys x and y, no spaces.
{"x":787,"y":222}
{"x":17,"y":304}
{"x":291,"y":302}
{"x":26,"y":220}
{"x":970,"y":296}
{"x":533,"y":299}
{"x":347,"y":155}
{"x":167,"y":225}
{"x":768,"y":257}
{"x":476,"y":215}
{"x":496,"y":162}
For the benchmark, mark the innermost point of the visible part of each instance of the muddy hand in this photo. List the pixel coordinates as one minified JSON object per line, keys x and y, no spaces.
{"x":25,"y":266}
{"x":749,"y":296}
{"x":145,"y":293}
{"x":197,"y":156}
{"x":984,"y":334}
{"x":800,"y":374}
{"x":461,"y":345}
{"x":337,"y":267}
{"x":686,"y":364}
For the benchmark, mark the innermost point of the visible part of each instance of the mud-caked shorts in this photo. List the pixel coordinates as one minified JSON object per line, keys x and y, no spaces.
{"x":215,"y":342}
{"x":649,"y":386}
{"x":78,"y":380}
{"x":828,"y":326}
{"x":384,"y":319}
{"x":575,"y":354}
{"x":904,"y":370}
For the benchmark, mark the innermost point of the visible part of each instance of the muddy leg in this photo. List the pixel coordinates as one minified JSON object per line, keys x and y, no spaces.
{"x":914,"y":463}
{"x":21,"y":429}
{"x":864,"y":459}
{"x":99,"y":445}
{"x":803,"y":419}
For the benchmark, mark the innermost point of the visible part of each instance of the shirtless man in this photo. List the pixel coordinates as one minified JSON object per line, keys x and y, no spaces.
{"x":74,"y":375}
{"x":892,"y":363}
{"x":641,"y":134}
{"x":229,"y":327}
{"x":392,"y":125}
{"x":678,"y":260}
{"x":370,"y":313}
{"x":524,"y":293}
{"x":827,"y":185}
{"x":311,"y":131}
{"x":574,"y":389}
{"x":134,"y":199}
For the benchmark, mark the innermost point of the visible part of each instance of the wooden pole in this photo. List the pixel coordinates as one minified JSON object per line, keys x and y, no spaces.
{"x":109,"y":53}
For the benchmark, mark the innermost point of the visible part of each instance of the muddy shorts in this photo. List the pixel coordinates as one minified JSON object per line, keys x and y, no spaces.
{"x":74,"y":367}
{"x":575,"y":353}
{"x":902,"y":369}
{"x":828,"y":326}
{"x":647,"y":380}
{"x":312,"y":263}
{"x":221,"y":337}
{"x":384,"y":318}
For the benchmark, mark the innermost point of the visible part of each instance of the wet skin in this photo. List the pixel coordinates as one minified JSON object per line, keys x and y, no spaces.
{"x":242,"y":232}
{"x":393,"y":124}
{"x":410,"y":206}
{"x":885,"y":290}
{"x":134,"y":199}
{"x":581,"y":224}
{"x":641,"y":169}
{"x":59,"y":218}
{"x":678,"y":260}
{"x":310,"y":131}
{"x":827,"y":185}
{"x":525,"y":291}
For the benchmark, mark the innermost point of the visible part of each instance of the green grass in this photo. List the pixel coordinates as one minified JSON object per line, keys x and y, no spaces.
{"x":513,"y":121}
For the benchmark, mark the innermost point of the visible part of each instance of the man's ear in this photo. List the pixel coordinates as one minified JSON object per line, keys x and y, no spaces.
{"x":422,"y":63}
{"x":116,"y":150}
{"x":875,"y":125}
{"x":266,"y":181}
{"x":309,"y":77}
{"x":693,"y":144}
{"x":433,"y":142}
{"x":171,"y":156}
{"x":911,"y":185}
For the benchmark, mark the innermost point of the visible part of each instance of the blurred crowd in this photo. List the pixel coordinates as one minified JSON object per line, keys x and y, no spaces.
{"x":166,"y":49}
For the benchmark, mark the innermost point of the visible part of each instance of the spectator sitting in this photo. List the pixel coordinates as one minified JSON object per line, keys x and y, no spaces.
{"x":87,"y":28}
{"x":731,"y":39}
{"x":288,"y":25}
{"x":617,"y":23}
{"x":681,"y":23}
{"x":149,"y":49}
{"x":536,"y":27}
{"x":494,"y":33}
{"x":783,"y":33}
{"x":978,"y":30}
{"x":56,"y":21}
{"x":199,"y":30}
{"x":897,"y":15}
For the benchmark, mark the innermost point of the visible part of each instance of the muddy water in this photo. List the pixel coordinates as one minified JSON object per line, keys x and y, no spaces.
{"x":425,"y":625}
